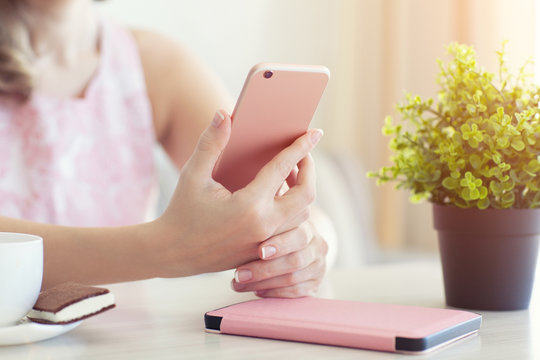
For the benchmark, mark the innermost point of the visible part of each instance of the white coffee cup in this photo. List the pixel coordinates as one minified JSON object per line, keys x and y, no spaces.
{"x":21,"y":273}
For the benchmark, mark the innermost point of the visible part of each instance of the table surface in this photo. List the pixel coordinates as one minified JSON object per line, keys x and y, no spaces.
{"x":163,"y":319}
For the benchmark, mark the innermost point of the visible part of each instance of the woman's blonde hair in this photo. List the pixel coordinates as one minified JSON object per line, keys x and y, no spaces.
{"x":16,"y":70}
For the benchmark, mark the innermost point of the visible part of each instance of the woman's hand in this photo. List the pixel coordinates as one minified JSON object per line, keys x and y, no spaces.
{"x":206,"y":228}
{"x":292,"y":264}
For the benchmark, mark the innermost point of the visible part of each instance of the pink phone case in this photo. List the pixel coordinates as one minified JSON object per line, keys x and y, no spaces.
{"x":275,"y":107}
{"x":384,"y":327}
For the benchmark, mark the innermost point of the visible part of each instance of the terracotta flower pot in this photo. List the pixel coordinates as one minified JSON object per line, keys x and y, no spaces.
{"x":488,"y":256}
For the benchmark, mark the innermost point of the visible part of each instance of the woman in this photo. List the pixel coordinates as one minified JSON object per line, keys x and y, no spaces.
{"x":82,"y":102}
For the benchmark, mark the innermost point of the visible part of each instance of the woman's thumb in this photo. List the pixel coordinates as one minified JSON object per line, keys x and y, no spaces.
{"x":211,"y":143}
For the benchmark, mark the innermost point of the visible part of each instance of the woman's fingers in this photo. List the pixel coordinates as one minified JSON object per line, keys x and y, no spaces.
{"x":294,"y":204}
{"x":286,"y":243}
{"x":311,"y":274}
{"x":211,"y":143}
{"x":270,"y":178}
{"x":307,"y":288}
{"x":291,"y":264}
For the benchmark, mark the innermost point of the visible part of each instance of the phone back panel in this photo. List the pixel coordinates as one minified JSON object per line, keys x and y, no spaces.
{"x":269,"y":115}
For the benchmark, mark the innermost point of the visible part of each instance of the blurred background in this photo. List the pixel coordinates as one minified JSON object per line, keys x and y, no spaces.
{"x":376,"y":50}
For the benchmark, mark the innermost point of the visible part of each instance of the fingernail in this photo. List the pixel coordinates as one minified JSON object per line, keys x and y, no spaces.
{"x":242,"y":275}
{"x":268,"y":251}
{"x":316,"y":136}
{"x":236,"y":286}
{"x":218,"y":119}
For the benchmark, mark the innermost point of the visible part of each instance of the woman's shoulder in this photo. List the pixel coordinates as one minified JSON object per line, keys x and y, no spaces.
{"x":163,"y":60}
{"x":179,"y":84}
{"x":162,"y":57}
{"x":155,"y":47}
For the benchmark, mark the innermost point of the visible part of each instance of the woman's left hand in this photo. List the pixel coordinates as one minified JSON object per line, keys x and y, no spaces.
{"x":292,"y":264}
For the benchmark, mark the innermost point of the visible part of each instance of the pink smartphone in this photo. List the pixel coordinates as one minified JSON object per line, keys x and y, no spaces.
{"x":383,"y":327}
{"x":274,"y":108}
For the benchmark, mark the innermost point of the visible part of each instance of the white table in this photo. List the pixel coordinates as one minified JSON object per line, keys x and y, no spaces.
{"x":163,"y":319}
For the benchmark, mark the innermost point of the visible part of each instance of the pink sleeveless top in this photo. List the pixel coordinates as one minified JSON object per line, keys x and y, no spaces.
{"x":82,"y":161}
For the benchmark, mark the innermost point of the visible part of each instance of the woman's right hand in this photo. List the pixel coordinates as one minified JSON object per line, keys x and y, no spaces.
{"x":206,"y":228}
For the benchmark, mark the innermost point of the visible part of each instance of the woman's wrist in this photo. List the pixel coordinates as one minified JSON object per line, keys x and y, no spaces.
{"x":163,"y":249}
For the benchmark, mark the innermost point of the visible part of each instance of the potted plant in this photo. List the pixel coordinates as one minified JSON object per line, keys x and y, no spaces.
{"x":475,"y":155}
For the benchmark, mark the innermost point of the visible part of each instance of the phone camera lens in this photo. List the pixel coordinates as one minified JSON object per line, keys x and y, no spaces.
{"x":268,"y":74}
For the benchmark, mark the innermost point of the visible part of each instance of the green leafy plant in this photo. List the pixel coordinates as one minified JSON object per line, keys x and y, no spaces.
{"x":477,"y":146}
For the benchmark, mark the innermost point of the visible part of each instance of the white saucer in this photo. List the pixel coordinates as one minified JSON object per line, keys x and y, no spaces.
{"x":26,"y":331}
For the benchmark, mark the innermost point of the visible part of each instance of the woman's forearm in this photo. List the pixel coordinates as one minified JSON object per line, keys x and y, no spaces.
{"x":92,"y":255}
